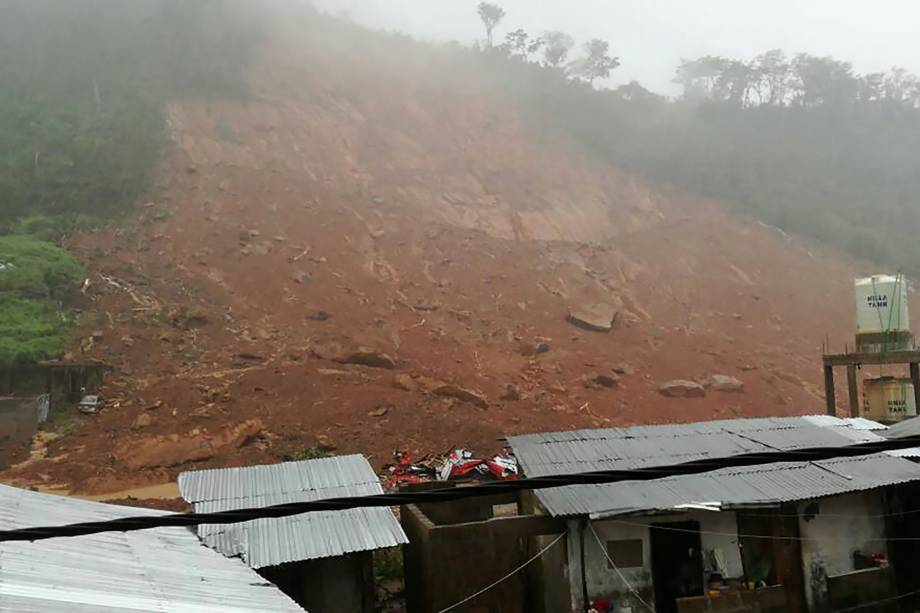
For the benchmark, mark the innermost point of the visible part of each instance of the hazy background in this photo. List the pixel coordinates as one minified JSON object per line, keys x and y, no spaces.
{"x":651,"y":36}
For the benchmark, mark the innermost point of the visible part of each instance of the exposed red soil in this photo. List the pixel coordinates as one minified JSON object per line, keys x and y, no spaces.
{"x":422,"y":214}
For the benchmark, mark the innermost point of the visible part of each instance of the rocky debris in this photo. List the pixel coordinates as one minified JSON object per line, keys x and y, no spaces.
{"x":511,"y":393}
{"x":368,"y":357}
{"x":724,"y":383}
{"x":681,"y":388}
{"x":449,"y":390}
{"x":381,"y":410}
{"x":747,"y":367}
{"x":188,"y":318}
{"x":623,"y":369}
{"x":302,"y":277}
{"x":405,"y":382}
{"x":534,"y":348}
{"x":323,"y":443}
{"x":596,"y":380}
{"x":596,"y":317}
{"x":98,"y":335}
{"x":319,"y":316}
{"x":338,"y":351}
{"x":142,"y":421}
{"x":779,"y":400}
{"x":175,"y":449}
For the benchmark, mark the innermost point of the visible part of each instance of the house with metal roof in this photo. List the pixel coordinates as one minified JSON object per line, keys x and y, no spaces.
{"x":323,"y":560}
{"x":677,"y":542}
{"x":163,"y":569}
{"x":791,"y":536}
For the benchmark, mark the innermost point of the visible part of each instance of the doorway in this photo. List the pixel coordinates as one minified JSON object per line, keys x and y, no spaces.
{"x":677,"y":563}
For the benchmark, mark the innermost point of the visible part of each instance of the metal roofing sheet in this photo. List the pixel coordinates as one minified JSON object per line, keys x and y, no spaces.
{"x":267,"y":542}
{"x":165,"y":569}
{"x":908,"y":427}
{"x":733,"y":487}
{"x":557,"y":453}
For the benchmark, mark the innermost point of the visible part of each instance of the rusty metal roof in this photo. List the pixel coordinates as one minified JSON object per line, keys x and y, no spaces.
{"x":163,"y":569}
{"x":268,"y":542}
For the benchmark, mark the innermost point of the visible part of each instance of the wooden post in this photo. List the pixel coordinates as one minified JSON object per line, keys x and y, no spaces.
{"x":829,"y":390}
{"x":915,"y":379}
{"x":853,"y":390}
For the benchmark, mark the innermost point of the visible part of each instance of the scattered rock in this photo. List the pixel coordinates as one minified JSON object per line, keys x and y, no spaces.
{"x":404,"y":382}
{"x":127,"y":341}
{"x":557,"y":388}
{"x":194,"y":446}
{"x":541,"y":347}
{"x":303,"y":277}
{"x":142,"y":421}
{"x":623,"y":369}
{"x":319,"y":316}
{"x":449,"y":390}
{"x":779,"y":400}
{"x":680,"y":388}
{"x":511,"y":392}
{"x":381,"y":410}
{"x":369,"y":357}
{"x":596,"y":380}
{"x":324,"y":444}
{"x":724,"y":383}
{"x":747,"y":367}
{"x":596,"y":317}
{"x":246,"y":356}
{"x":98,"y":335}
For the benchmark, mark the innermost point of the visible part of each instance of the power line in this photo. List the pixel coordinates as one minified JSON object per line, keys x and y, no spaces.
{"x":128,"y":524}
{"x":508,"y":576}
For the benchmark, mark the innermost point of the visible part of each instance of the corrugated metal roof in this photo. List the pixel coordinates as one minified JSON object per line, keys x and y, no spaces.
{"x":908,"y":427}
{"x":734,"y":487}
{"x":165,"y":569}
{"x":558,"y":453}
{"x":267,"y":542}
{"x":575,"y":451}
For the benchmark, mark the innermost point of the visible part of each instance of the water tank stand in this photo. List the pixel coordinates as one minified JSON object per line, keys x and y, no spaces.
{"x":852,"y":361}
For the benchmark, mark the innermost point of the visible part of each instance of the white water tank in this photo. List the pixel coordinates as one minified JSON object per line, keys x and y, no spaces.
{"x":881,"y":305}
{"x":888,"y":399}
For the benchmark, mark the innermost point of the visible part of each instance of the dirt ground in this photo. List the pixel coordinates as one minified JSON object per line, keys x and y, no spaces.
{"x":351,"y":207}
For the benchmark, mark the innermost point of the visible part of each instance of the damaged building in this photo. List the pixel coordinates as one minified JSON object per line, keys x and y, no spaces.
{"x":792,"y":536}
{"x":323,"y":560}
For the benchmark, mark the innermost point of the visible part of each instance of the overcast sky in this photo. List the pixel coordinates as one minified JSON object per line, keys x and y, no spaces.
{"x":650,"y":36}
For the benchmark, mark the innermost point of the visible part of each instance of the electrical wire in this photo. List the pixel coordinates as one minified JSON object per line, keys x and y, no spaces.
{"x":506,"y":577}
{"x":446,"y":494}
{"x":617,"y":568}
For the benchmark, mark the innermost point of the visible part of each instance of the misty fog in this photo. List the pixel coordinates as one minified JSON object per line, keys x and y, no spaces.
{"x":651,"y":37}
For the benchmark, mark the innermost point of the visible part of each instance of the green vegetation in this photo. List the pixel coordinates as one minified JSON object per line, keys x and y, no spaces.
{"x":305,"y":453}
{"x":35,"y":277}
{"x":86,"y":85}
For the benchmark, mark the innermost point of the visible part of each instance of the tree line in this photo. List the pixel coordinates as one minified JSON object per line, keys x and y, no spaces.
{"x":801,"y":142}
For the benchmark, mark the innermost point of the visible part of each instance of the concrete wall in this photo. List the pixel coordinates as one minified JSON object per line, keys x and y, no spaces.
{"x":841,"y":526}
{"x":340,"y":584}
{"x":603,"y":581}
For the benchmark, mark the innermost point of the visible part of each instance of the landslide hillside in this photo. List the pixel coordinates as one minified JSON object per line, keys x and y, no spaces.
{"x":374,"y":251}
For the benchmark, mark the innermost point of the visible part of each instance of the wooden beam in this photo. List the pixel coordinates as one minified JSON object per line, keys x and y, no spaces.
{"x":853,"y":390}
{"x":829,"y":397}
{"x":888,"y":357}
